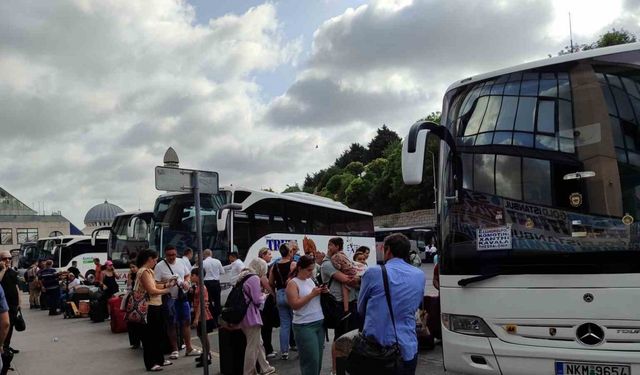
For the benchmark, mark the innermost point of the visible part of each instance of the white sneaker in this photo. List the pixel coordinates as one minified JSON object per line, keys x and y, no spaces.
{"x":271,"y":355}
{"x":268,"y":371}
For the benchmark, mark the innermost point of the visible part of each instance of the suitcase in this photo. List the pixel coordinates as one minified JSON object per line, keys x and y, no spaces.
{"x":118,"y":322}
{"x":232,"y":346}
{"x":96,"y":311}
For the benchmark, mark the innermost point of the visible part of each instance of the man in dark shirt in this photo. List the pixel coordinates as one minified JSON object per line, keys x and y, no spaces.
{"x":9,"y":282}
{"x":49,"y":279}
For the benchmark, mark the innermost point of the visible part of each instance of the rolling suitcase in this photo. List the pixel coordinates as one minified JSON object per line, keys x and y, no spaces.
{"x":118,"y":322}
{"x":232,"y":346}
{"x":96,"y":311}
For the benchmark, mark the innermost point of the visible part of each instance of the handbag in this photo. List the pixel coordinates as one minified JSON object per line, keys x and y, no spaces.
{"x":137,"y":305}
{"x":370,"y":357}
{"x":331,"y":309}
{"x":18,"y":323}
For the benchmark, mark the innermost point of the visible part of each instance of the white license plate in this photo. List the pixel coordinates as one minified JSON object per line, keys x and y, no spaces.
{"x":577,"y":368}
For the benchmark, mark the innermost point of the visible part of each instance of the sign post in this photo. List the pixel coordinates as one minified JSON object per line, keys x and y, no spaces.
{"x":188,"y":180}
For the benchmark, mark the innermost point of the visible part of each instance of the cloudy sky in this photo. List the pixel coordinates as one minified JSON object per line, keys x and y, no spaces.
{"x":92,"y":92}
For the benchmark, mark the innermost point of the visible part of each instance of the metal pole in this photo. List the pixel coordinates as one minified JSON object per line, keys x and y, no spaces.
{"x":203,"y":316}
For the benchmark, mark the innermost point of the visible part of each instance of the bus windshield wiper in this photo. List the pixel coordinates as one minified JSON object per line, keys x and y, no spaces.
{"x":474,"y":279}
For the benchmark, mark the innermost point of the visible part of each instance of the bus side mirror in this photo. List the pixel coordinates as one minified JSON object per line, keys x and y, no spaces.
{"x":413,"y":151}
{"x":221,"y":220}
{"x":131,"y":226}
{"x":223,"y":215}
{"x":97,"y":231}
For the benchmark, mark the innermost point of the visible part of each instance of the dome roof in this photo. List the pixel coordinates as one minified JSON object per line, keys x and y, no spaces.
{"x":102,"y":213}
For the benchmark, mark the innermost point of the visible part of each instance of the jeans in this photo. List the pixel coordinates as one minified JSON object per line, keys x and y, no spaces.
{"x":53,"y":300}
{"x":408,"y":367}
{"x":310,"y":340}
{"x":286,"y":316}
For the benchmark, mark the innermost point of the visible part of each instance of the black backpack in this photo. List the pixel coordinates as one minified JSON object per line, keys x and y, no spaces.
{"x":236,"y":306}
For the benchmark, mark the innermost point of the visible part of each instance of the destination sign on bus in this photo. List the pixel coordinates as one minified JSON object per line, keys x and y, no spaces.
{"x":498,"y":238}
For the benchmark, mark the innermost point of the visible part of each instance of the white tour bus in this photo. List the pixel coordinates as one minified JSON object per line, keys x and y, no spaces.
{"x":538,"y":208}
{"x":82,"y":249}
{"x":249,"y":219}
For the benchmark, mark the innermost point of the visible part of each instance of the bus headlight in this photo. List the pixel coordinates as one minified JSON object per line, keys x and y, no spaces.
{"x":467,"y":325}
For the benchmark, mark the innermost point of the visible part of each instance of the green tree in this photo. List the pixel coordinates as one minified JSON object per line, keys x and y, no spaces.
{"x":357,"y":194}
{"x":383,"y":138}
{"x":610,"y":38}
{"x":355,"y":168}
{"x":292,"y":188}
{"x":356,"y":152}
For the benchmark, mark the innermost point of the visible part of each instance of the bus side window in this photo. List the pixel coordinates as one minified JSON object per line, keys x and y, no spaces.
{"x":319,"y":220}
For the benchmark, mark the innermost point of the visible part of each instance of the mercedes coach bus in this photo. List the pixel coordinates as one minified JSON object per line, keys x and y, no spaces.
{"x":246,"y":220}
{"x":538,"y":209}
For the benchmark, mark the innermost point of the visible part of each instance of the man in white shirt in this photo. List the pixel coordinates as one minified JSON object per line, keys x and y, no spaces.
{"x":212,"y":268}
{"x":179,"y":309}
{"x":235,"y":266}
{"x":187,"y":255}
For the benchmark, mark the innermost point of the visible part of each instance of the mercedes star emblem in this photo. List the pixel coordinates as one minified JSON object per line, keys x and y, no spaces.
{"x":588,"y":297}
{"x":590,"y":334}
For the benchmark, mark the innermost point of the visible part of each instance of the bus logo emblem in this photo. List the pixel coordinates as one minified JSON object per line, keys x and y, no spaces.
{"x":590,"y":334}
{"x":575,"y":199}
{"x":552,"y":331}
{"x":588,"y":297}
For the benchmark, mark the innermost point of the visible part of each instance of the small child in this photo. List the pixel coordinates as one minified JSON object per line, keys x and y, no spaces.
{"x":344,"y":265}
{"x":360,"y":260}
{"x":197,"y":321}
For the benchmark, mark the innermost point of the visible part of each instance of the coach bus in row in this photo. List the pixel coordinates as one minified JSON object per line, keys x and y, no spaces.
{"x":538,"y":209}
{"x":246,"y":220}
{"x":421,"y":237}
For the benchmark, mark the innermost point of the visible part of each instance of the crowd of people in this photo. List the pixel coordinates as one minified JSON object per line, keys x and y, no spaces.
{"x":284,"y":292}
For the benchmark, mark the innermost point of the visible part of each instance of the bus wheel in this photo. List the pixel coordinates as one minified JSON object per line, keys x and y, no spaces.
{"x":90,"y":277}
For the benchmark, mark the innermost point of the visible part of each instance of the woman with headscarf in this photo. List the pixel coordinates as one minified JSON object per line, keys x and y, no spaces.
{"x":252,"y":322}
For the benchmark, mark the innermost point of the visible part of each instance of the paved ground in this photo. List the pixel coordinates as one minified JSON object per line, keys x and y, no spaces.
{"x":57,"y":346}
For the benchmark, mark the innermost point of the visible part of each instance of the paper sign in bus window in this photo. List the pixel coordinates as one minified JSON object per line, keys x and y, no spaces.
{"x":498,"y":238}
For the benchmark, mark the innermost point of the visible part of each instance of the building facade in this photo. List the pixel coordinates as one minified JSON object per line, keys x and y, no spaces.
{"x":20,"y":224}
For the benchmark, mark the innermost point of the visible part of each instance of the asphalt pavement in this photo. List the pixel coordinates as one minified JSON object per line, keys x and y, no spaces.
{"x":52,"y":345}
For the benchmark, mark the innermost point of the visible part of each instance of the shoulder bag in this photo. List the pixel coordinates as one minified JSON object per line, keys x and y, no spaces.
{"x":137,"y":304}
{"x":370,"y":357}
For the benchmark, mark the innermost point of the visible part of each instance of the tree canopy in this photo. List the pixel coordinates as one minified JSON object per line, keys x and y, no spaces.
{"x":610,"y":38}
{"x":370,"y":178}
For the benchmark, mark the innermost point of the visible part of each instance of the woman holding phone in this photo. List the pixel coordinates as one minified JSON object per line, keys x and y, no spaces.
{"x":304,"y":298}
{"x":153,"y":331}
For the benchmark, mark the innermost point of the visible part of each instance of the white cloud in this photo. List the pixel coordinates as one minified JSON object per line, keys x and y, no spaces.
{"x":390,"y":62}
{"x":92,"y":93}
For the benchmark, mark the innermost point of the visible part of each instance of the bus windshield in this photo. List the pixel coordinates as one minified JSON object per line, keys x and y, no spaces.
{"x":174,"y":220}
{"x":547,"y":170}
